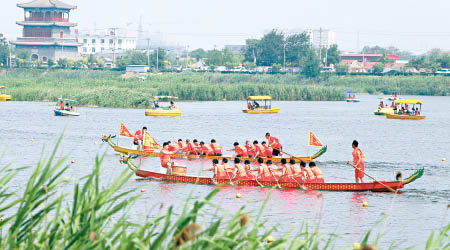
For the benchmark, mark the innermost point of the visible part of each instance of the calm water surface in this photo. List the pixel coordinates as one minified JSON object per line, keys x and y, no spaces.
{"x":390,"y":146}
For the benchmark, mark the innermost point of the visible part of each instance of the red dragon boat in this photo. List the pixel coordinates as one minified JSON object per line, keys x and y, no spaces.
{"x":107,"y":138}
{"x":367,"y":186}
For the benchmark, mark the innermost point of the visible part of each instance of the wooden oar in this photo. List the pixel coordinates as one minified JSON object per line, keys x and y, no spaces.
{"x":384,"y":185}
{"x":278,"y":184}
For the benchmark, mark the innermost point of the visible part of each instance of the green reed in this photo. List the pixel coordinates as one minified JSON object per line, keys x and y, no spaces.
{"x":44,"y":216}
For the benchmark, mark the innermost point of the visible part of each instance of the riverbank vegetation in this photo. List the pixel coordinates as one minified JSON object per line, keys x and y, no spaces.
{"x":115,"y":89}
{"x":43,"y":214}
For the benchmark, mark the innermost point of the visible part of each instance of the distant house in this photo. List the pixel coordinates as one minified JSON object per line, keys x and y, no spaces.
{"x":363,"y":63}
{"x":138,"y":68}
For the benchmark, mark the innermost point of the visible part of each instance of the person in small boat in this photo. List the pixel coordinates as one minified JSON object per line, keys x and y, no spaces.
{"x":417,"y":111}
{"x":263,"y":171}
{"x":61,"y":105}
{"x":392,"y":105}
{"x":139,"y":138}
{"x":381,"y":104}
{"x":267,"y":149}
{"x":216,"y":148}
{"x":274,"y":143}
{"x":250,"y":149}
{"x":308,"y":175}
{"x":318,"y":175}
{"x":249,"y":106}
{"x":172,"y":105}
{"x":166,"y":161}
{"x":239,"y":171}
{"x":358,"y":162}
{"x":67,"y":107}
{"x":206,"y":149}
{"x":349,"y":96}
{"x":155,"y":105}
{"x":255,"y":105}
{"x":354,"y":97}
{"x":72,"y":109}
{"x":239,"y":150}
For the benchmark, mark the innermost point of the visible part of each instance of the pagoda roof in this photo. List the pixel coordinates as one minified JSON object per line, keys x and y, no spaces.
{"x":53,"y":4}
{"x":32,"y":23}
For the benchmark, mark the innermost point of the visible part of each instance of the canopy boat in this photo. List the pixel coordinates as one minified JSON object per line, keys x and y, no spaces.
{"x":107,"y":138}
{"x":367,"y":186}
{"x":352,"y":98}
{"x":253,"y":107}
{"x":4,"y":96}
{"x":404,"y":112}
{"x":65,"y":110}
{"x":384,"y":109}
{"x":157,"y":110}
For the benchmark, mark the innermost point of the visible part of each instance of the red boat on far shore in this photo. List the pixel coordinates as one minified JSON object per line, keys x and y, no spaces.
{"x":367,"y":186}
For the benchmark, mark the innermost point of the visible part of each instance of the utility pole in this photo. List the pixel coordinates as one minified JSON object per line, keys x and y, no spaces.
{"x":284,"y":56}
{"x":157,"y":58}
{"x":10,"y":56}
{"x":320,"y":45}
{"x":148,"y":51}
{"x":187,"y":55}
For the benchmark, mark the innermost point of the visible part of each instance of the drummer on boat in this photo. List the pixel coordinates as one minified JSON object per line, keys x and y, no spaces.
{"x":358,"y":162}
{"x":139,"y":138}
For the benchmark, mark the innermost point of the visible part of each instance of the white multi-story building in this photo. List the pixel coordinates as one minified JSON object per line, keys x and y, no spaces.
{"x":321,"y":37}
{"x":111,"y":41}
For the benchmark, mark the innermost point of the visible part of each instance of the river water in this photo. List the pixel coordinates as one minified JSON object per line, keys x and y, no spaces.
{"x":390,"y":146}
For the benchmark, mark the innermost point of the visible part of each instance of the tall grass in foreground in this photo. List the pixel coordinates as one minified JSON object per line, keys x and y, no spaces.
{"x":96,"y":218}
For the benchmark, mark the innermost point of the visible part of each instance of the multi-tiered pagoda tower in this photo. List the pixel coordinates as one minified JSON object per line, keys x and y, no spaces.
{"x":46,"y":30}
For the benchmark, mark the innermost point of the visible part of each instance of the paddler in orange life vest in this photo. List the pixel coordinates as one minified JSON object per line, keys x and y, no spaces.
{"x":164,"y":156}
{"x":273,"y":169}
{"x":259,"y":149}
{"x":250,"y":149}
{"x":249,"y":169}
{"x":182,"y":146}
{"x":240,"y":151}
{"x":239,"y":171}
{"x":197,"y":146}
{"x":263,"y":171}
{"x":274,"y":143}
{"x":296,"y":170}
{"x":267,"y":150}
{"x":61,"y":105}
{"x":206,"y":149}
{"x":216,"y":148}
{"x":318,"y":175}
{"x":190,"y":147}
{"x":174,"y":147}
{"x":227,"y":166}
{"x":139,"y":138}
{"x":219,"y":170}
{"x":308,"y":175}
{"x":358,"y":162}
{"x":286,"y":171}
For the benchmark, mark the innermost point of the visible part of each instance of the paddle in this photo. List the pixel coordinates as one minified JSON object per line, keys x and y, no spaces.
{"x":278,"y":184}
{"x":384,"y":185}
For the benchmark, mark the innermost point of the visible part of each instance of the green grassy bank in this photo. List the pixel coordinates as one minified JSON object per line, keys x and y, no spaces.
{"x":42,"y":215}
{"x":110,"y":89}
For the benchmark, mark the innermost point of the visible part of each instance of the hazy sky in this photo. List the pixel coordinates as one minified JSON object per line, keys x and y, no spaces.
{"x":415,"y":25}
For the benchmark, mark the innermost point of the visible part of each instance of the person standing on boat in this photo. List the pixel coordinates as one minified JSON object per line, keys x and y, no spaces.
{"x":206,"y":149}
{"x":216,"y":148}
{"x":274,"y":143}
{"x":318,"y":174}
{"x":139,"y":138}
{"x":166,"y":162}
{"x":358,"y":162}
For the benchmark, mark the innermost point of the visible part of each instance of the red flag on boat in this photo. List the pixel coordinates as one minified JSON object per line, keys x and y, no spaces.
{"x":313,"y":140}
{"x":124,"y":131}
